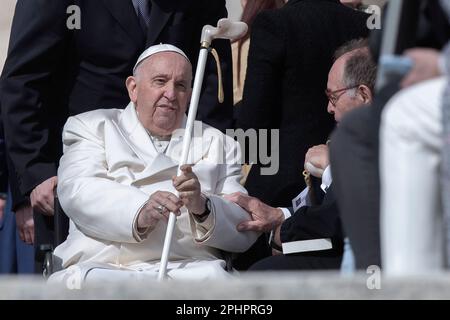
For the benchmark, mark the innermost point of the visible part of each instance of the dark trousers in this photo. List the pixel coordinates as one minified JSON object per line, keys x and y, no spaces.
{"x":43,"y":239}
{"x":311,"y":261}
{"x":15,"y":255}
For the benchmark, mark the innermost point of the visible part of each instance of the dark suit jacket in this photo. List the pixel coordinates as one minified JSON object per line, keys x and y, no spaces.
{"x":316,"y":222}
{"x":52,"y":72}
{"x":290,"y":56}
{"x":3,"y":168}
{"x":354,"y":151}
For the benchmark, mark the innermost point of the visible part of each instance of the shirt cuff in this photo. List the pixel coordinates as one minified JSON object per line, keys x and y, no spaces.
{"x":287,"y":215}
{"x":139,"y":236}
{"x":286,"y":212}
{"x":202,"y":227}
{"x":326,"y":179}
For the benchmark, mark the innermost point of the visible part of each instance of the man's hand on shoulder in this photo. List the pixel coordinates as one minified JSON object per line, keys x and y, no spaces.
{"x":42,"y":197}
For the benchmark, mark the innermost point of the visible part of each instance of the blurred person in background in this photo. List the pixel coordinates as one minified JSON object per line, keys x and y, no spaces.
{"x":310,"y":234}
{"x":239,"y":50}
{"x":415,"y":158}
{"x":355,"y":154}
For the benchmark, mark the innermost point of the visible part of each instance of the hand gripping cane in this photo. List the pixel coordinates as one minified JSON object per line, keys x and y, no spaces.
{"x":225,"y":29}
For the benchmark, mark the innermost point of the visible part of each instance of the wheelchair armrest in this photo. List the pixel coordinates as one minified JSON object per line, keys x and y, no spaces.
{"x":51,"y":263}
{"x":61,"y":224}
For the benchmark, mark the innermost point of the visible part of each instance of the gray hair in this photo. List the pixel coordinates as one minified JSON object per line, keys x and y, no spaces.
{"x":359,"y":67}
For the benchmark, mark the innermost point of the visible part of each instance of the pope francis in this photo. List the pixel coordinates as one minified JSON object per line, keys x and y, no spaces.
{"x":117,"y":183}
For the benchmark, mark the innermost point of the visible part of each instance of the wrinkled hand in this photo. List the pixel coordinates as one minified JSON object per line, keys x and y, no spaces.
{"x":318,"y":157}
{"x":42,"y":197}
{"x":425,"y":67}
{"x":2,"y":208}
{"x":189,"y":190}
{"x":264,"y":218}
{"x":149,"y":216}
{"x":25,"y":223}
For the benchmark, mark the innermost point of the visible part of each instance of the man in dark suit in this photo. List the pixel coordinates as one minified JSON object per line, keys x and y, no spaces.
{"x":311,"y":236}
{"x":291,"y":52}
{"x":355,"y":148}
{"x":53,"y":71}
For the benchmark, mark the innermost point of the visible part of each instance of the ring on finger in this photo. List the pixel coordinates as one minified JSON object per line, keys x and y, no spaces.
{"x":160,"y":209}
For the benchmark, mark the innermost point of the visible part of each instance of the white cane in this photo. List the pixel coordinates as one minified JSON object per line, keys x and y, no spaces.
{"x":225,"y":29}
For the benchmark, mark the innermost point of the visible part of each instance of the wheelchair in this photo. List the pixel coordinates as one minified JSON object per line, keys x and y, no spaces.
{"x":52,"y":263}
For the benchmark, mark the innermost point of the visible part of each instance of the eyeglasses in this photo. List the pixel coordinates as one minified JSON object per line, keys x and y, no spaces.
{"x":331,"y":95}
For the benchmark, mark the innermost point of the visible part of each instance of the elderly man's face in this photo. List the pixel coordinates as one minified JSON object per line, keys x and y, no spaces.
{"x":161,"y":90}
{"x":341,"y":98}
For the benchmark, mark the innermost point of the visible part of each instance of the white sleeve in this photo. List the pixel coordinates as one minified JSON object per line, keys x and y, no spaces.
{"x":219,"y":229}
{"x":326,"y":179}
{"x":99,"y":206}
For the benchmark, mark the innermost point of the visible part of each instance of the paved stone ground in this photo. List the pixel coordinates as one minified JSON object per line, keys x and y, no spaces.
{"x":271,"y":286}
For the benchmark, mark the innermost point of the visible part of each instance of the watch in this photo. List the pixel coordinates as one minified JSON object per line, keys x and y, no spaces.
{"x":3,"y":196}
{"x":207,"y":210}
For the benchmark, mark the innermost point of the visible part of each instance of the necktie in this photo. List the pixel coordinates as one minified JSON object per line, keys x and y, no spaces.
{"x":143,"y":8}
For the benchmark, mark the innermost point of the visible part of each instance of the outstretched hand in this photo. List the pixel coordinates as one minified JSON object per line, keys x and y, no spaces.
{"x":264,"y":218}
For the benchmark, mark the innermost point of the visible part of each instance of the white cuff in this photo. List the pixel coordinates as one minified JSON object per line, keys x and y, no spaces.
{"x":326,"y":179}
{"x":201,"y":229}
{"x":286,"y":212}
{"x":139,"y":236}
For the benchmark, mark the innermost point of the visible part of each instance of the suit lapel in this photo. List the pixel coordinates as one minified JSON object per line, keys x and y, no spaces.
{"x":158,"y":19}
{"x":123,"y":12}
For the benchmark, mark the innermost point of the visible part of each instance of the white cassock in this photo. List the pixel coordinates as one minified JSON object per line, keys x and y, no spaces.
{"x":110,"y":168}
